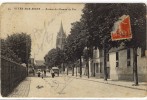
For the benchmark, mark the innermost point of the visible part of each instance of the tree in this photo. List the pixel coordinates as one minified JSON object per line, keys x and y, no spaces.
{"x":8,"y":53}
{"x":75,"y":44}
{"x":20,"y":44}
{"x":99,"y":19}
{"x":54,"y":57}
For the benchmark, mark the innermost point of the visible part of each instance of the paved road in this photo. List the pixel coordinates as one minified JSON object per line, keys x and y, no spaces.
{"x":66,"y":86}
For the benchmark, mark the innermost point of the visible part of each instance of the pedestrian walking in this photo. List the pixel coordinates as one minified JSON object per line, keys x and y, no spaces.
{"x":33,"y":71}
{"x":52,"y":73}
{"x":44,"y":72}
{"x":38,"y":73}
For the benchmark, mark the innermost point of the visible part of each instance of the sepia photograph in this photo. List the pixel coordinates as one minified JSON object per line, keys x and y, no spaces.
{"x":73,"y":50}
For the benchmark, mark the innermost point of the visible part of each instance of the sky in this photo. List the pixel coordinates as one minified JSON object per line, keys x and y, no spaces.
{"x":41,"y":21}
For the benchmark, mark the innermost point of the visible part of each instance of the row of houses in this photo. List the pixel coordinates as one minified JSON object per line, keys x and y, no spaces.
{"x":119,"y":64}
{"x":119,"y":61}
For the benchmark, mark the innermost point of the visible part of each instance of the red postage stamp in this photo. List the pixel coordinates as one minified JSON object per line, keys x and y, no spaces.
{"x":122,"y":29}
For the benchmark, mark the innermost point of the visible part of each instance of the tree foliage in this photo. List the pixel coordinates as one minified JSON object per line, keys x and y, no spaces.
{"x":95,"y":26}
{"x":20,"y":44}
{"x":8,"y":53}
{"x":75,"y":42}
{"x":100,"y":18}
{"x":54,"y":57}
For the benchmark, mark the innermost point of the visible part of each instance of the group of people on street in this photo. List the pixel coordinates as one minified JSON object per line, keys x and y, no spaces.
{"x":43,"y":73}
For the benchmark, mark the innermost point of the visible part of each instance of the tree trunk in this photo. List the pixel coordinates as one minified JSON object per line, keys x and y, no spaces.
{"x":27,"y":73}
{"x":67,"y":69}
{"x":94,"y":70}
{"x":80,"y":67}
{"x":76,"y":71}
{"x":73,"y":70}
{"x":88,"y":67}
{"x":135,"y":73}
{"x":63,"y":67}
{"x":105,"y":63}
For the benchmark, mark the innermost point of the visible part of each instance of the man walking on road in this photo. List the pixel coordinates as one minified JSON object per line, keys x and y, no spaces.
{"x":52,"y":73}
{"x":42,"y":74}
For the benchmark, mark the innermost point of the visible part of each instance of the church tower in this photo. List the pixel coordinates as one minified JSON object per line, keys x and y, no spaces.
{"x":61,"y":37}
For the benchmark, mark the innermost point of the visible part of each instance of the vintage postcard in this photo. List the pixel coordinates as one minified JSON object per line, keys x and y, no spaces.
{"x":73,"y":50}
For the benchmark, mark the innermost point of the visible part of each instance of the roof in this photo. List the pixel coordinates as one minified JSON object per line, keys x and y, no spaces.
{"x":39,"y":62}
{"x":115,"y":49}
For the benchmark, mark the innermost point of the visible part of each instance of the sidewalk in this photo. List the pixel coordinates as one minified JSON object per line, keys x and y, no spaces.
{"x":22,"y":90}
{"x":127,"y":84}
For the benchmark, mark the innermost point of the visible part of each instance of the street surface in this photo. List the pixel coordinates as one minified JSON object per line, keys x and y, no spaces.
{"x":68,"y":86}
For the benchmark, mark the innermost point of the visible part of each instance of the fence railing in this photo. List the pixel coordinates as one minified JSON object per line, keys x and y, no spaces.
{"x":12,"y":74}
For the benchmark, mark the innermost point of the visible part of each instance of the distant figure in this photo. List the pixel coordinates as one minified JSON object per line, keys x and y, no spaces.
{"x":52,"y":73}
{"x":39,"y":74}
{"x":44,"y":72}
{"x":33,"y":72}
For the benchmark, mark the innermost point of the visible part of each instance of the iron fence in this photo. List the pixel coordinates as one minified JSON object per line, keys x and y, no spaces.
{"x":12,"y":74}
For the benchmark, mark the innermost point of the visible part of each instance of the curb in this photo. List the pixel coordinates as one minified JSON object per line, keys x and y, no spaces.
{"x":111,"y":84}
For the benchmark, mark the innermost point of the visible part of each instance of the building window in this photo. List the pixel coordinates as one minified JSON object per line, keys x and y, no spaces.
{"x":100,"y":53}
{"x":142,"y":52}
{"x":117,"y":59}
{"x":128,"y":57}
{"x":96,"y":66}
{"x":117,"y":63}
{"x":117,"y":56}
{"x":100,"y":67}
{"x":128,"y":63}
{"x":128,"y":54}
{"x":107,"y":57}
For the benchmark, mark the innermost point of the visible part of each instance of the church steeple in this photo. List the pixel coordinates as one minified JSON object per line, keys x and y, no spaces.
{"x":61,"y":31}
{"x":61,"y":36}
{"x":61,"y":28}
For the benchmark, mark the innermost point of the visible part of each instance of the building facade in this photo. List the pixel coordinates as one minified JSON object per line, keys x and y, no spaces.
{"x":119,"y":64}
{"x":61,"y":38}
{"x":97,"y":64}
